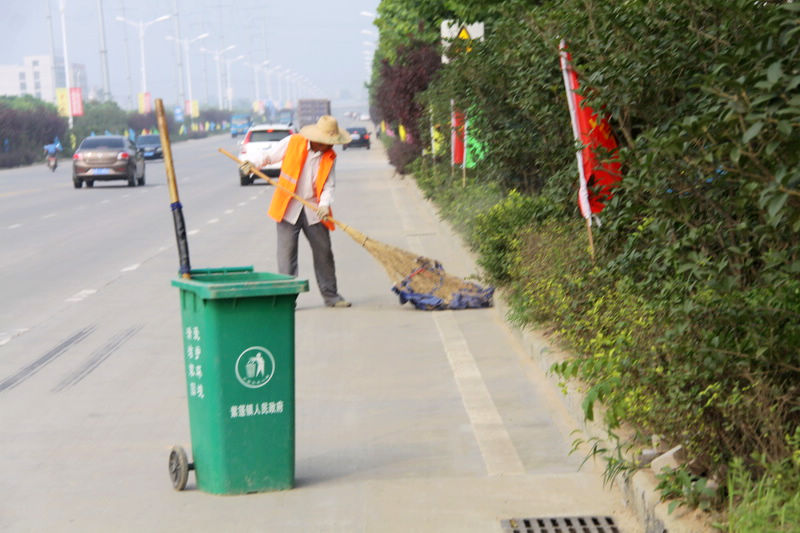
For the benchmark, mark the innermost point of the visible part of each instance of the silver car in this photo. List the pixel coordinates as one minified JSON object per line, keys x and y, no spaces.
{"x":105,"y":158}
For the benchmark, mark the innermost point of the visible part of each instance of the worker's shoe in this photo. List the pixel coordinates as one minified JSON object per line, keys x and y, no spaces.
{"x":339,"y":303}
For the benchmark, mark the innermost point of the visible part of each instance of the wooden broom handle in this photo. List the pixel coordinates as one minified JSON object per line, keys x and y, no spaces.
{"x":276,"y":185}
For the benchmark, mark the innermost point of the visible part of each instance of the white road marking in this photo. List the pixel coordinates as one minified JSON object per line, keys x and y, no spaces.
{"x":242,"y":204}
{"x":499,"y":454}
{"x":6,"y":336}
{"x":497,"y":449}
{"x":81,"y":295}
{"x":193,"y":232}
{"x":15,"y":226}
{"x":229,"y":211}
{"x":49,"y":215}
{"x":254,"y":197}
{"x":131,"y":268}
{"x":213,"y":221}
{"x":105,"y":202}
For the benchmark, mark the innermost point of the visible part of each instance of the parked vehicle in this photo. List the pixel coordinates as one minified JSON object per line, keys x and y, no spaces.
{"x":151,"y":144}
{"x":285,"y":117}
{"x":309,"y":111}
{"x":257,"y":141}
{"x":105,"y":158}
{"x":359,"y":137}
{"x":240,"y":124}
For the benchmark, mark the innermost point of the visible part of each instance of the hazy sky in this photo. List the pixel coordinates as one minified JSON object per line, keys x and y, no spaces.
{"x":321,"y":40}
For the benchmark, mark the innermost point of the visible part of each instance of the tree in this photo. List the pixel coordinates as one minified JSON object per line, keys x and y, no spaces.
{"x":26,"y":125}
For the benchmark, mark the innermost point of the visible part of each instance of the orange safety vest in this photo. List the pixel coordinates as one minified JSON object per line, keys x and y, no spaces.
{"x":292,"y":165}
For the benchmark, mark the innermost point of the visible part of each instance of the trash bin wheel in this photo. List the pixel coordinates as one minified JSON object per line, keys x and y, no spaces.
{"x":178,"y":468}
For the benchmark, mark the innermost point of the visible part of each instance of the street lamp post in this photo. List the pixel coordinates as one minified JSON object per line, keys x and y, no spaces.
{"x":279,"y":79}
{"x":66,"y":64}
{"x":185,"y":43}
{"x":229,"y":90}
{"x":103,"y":53}
{"x":268,"y":82}
{"x":256,"y":68}
{"x":217,"y":55}
{"x":141,"y":26}
{"x":283,"y":75}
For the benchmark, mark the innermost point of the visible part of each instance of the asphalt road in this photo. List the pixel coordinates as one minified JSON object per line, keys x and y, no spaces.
{"x":405,"y":420}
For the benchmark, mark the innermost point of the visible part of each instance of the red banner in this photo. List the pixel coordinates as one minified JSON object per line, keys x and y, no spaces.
{"x":76,"y":101}
{"x":598,"y":177}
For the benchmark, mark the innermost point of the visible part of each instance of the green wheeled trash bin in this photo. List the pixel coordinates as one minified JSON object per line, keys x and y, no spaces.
{"x":238,"y":353}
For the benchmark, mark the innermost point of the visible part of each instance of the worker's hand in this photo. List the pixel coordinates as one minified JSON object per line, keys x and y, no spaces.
{"x":245,"y":168}
{"x":323,"y":211}
{"x":265,"y":162}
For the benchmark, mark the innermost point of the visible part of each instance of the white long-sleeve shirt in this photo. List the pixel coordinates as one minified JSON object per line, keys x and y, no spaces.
{"x":305,"y":182}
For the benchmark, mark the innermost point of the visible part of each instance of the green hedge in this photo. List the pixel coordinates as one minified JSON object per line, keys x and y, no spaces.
{"x":687,"y":325}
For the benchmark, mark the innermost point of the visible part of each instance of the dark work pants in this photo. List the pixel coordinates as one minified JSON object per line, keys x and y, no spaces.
{"x":319,"y":238}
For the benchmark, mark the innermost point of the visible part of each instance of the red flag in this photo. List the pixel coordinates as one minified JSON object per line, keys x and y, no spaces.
{"x":456,"y":136}
{"x":597,"y":178}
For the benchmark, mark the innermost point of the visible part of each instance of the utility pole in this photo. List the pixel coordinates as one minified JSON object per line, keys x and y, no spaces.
{"x":66,"y":64}
{"x":103,"y":53}
{"x":52,"y":48}
{"x":127,"y":60}
{"x":179,"y":54}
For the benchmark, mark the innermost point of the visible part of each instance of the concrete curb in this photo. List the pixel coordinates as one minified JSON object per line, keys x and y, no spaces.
{"x":639,"y":490}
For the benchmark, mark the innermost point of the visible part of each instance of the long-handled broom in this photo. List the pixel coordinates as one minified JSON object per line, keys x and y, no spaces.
{"x":408,"y":271}
{"x":175,"y":205}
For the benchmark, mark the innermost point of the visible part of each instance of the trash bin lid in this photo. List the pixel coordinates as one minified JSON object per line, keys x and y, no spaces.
{"x":239,"y":282}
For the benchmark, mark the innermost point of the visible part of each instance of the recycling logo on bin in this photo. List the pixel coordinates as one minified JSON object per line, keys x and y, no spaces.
{"x":255,"y":367}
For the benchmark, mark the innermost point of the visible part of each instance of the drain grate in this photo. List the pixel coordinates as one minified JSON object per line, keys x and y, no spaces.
{"x":571,"y":524}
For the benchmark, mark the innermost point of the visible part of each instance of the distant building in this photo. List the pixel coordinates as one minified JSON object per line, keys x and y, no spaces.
{"x":39,"y":76}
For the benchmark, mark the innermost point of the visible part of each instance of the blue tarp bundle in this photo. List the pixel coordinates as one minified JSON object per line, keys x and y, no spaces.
{"x":468,"y":296}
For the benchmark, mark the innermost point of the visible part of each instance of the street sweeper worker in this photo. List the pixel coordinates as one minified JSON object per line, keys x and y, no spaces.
{"x":308,"y":170}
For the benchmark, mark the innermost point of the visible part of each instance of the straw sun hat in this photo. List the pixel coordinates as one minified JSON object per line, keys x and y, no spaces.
{"x":325,"y":131}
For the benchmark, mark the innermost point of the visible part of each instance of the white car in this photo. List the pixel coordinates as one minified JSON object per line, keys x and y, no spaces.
{"x":256,"y":143}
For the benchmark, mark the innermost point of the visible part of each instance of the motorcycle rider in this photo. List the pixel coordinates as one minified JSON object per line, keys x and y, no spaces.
{"x":51,"y":150}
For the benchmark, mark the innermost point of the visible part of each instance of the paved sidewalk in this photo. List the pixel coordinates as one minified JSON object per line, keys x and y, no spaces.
{"x":407,"y":421}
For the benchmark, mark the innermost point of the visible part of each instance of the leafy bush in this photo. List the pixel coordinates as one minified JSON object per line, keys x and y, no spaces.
{"x":688,"y":324}
{"x":496,"y":234}
{"x":99,"y":117}
{"x":26,"y":125}
{"x":401,"y":155}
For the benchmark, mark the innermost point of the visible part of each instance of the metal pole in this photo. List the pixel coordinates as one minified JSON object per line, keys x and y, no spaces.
{"x":103,"y":52}
{"x":178,"y":52}
{"x":127,"y":59}
{"x":52,"y":48}
{"x":66,"y":63}
{"x":255,"y":80}
{"x":219,"y":81}
{"x":228,"y":94}
{"x":268,"y":83}
{"x":141,"y":54}
{"x":205,"y":80}
{"x":188,"y":73}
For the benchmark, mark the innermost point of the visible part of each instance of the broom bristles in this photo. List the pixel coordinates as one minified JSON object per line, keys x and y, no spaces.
{"x":399,"y":263}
